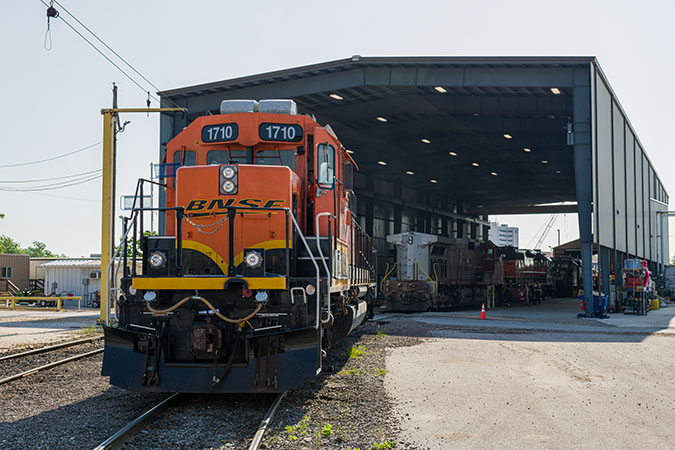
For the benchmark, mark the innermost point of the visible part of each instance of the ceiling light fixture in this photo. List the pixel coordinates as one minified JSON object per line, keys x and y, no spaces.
{"x":543,"y":161}
{"x":336,"y":97}
{"x":508,"y":136}
{"x":556,"y":91}
{"x":350,"y":151}
{"x":527,"y":150}
{"x":381,"y":119}
{"x":382,"y":163}
{"x":441,"y":89}
{"x":494,"y":174}
{"x":558,"y":171}
{"x":426,"y":141}
{"x":410,"y":172}
{"x":433,"y":181}
{"x":452,"y":154}
{"x":475,"y":164}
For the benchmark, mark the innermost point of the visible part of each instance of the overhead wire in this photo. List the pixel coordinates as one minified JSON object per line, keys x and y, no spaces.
{"x":105,"y":56}
{"x":52,"y":158}
{"x":112,"y":51}
{"x":50,"y":179}
{"x":62,"y":185}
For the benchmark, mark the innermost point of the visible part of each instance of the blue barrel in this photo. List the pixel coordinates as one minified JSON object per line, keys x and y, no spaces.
{"x":596,"y":306}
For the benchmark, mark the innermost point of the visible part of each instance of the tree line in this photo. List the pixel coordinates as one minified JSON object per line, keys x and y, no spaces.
{"x":36,"y":250}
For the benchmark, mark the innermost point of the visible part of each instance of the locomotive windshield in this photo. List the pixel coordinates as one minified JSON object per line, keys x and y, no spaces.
{"x":276,"y":158}
{"x":225,"y":156}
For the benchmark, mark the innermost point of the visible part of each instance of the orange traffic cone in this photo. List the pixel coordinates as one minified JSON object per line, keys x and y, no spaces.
{"x":482,"y":312}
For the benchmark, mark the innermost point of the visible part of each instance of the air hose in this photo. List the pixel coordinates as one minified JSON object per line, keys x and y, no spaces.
{"x":207,"y":303}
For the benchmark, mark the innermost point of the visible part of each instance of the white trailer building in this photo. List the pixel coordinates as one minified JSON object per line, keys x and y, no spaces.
{"x":77,"y":277}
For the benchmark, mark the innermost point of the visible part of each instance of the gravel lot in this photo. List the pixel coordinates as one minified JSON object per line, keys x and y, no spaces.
{"x":514,"y":389}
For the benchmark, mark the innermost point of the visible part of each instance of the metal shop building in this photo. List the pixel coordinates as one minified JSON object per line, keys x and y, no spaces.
{"x":442,"y":142}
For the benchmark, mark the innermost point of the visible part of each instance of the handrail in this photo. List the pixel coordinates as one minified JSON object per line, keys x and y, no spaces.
{"x":288,"y":213}
{"x":387,"y":272}
{"x":427,"y":275}
{"x":435,"y":276}
{"x":112,"y":281}
{"x":316,"y":267}
{"x":323,"y":259}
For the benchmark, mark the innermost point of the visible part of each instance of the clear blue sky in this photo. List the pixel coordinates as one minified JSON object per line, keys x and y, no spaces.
{"x":51,"y":100}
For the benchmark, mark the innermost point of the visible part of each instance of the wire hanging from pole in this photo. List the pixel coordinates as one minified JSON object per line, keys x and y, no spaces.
{"x":51,"y":13}
{"x":110,"y":49}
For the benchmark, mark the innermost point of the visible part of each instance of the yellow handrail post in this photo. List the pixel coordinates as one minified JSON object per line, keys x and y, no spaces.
{"x":387,"y":272}
{"x":58,"y":303}
{"x":427,"y":275}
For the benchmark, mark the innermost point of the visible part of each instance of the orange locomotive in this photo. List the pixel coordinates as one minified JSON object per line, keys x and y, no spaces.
{"x":262,"y":265}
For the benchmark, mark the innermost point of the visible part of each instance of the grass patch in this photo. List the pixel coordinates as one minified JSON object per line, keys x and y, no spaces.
{"x":357,"y":351}
{"x":385,"y":445}
{"x":380,"y":372}
{"x":347,"y":372}
{"x":94,"y":328}
{"x":327,"y":430}
{"x":293,"y":431}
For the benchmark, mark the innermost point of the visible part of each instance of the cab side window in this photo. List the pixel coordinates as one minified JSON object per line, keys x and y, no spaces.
{"x":326,"y":164}
{"x":185,"y":157}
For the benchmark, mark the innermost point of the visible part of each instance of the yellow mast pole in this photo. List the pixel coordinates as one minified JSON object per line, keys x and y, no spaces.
{"x":107,"y":202}
{"x":109,"y":120}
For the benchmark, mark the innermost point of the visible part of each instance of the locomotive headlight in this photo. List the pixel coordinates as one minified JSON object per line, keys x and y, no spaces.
{"x":229,"y":187}
{"x":157,"y":260}
{"x":228,"y":180}
{"x":310,"y":289}
{"x":253,"y":259}
{"x":229,"y":172}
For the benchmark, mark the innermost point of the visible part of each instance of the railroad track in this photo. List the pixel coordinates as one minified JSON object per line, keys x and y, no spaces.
{"x":52,"y":348}
{"x":132,"y":428}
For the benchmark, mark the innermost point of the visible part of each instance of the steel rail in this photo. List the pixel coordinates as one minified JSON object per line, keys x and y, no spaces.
{"x":132,"y":428}
{"x":50,"y":365}
{"x":51,"y":347}
{"x":257,"y":439}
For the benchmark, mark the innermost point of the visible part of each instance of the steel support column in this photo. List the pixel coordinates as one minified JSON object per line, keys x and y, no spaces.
{"x":583,"y":179}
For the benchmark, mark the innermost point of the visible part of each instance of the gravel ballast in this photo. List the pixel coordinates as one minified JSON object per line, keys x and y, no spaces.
{"x":346,"y":407}
{"x":70,"y":406}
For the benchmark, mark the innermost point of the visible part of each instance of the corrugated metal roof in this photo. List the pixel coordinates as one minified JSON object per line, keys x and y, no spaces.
{"x":73,"y":263}
{"x":377,"y":61}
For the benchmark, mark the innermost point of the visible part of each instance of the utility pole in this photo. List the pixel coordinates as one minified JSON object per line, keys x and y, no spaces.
{"x":558,"y":237}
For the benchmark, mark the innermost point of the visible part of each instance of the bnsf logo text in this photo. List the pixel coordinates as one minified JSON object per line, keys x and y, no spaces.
{"x":219,"y":203}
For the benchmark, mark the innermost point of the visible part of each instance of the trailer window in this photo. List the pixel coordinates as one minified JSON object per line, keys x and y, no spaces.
{"x":6,"y":272}
{"x":185,"y":157}
{"x":225,"y":156}
{"x":276,"y":158}
{"x":326,"y":164}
